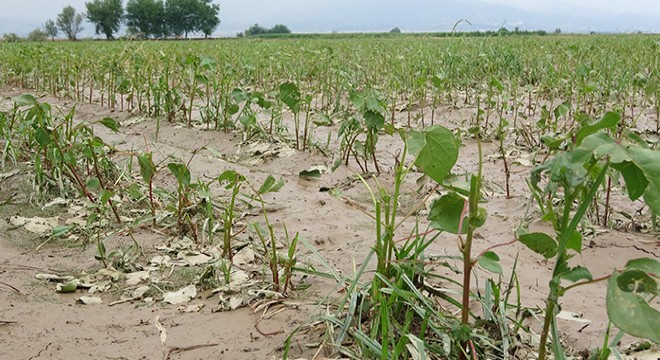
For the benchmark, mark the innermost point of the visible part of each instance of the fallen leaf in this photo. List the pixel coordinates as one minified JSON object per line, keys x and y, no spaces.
{"x":183,"y":295}
{"x":140,"y":291}
{"x":162,"y":330}
{"x":9,"y":174}
{"x":571,"y":316}
{"x":190,"y":308}
{"x":137,"y":277}
{"x":55,"y":202}
{"x":245,"y":256}
{"x":89,"y":300}
{"x":53,"y":277}
{"x":238,"y":278}
{"x":197,"y":259}
{"x":69,"y":287}
{"x":235,"y":302}
{"x":37,"y":225}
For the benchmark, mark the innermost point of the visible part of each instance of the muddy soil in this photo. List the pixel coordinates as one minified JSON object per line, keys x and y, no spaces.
{"x":38,"y":323}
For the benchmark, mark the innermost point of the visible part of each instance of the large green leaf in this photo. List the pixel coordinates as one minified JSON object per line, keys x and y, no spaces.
{"x":540,"y":243}
{"x":25,"y":100}
{"x":648,"y":161}
{"x":636,"y":181}
{"x":651,"y":266}
{"x":446,"y":213}
{"x":438,"y":154}
{"x":630,"y":312}
{"x":609,"y":121}
{"x":43,"y":136}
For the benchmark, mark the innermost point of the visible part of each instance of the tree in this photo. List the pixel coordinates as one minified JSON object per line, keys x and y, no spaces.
{"x":186,"y":16}
{"x":70,"y":22}
{"x":11,"y":37}
{"x":146,"y":17}
{"x":279,"y":29}
{"x":106,"y":15}
{"x":255,"y":29}
{"x":396,"y":30}
{"x":50,"y":29}
{"x":37,"y":35}
{"x":209,"y":19}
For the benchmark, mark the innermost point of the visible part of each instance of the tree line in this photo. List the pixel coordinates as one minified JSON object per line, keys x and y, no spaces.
{"x":143,"y":18}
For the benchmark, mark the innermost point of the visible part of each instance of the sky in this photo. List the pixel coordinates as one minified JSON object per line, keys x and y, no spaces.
{"x":381,"y":15}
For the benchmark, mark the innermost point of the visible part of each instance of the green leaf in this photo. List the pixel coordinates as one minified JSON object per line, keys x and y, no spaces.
{"x":636,"y":181}
{"x":147,"y":167}
{"x":105,"y":196}
{"x":323,"y":120}
{"x":540,"y":243}
{"x":631,"y":313}
{"x":230,"y":177}
{"x":93,"y":183}
{"x":61,"y":230}
{"x":446,"y":213}
{"x":609,"y":121}
{"x":180,"y":172}
{"x":69,"y":287}
{"x":438,"y":154}
{"x":491,"y":262}
{"x":43,"y":137}
{"x":290,"y":95}
{"x":374,"y":121}
{"x":576,"y":274}
{"x":575,"y":242}
{"x":271,"y":185}
{"x":649,"y":162}
{"x":310,"y":174}
{"x":651,"y":266}
{"x":110,"y":123}
{"x":637,"y":281}
{"x":25,"y":100}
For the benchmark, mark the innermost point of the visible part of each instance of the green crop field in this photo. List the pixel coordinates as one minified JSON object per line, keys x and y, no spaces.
{"x":461,"y":163}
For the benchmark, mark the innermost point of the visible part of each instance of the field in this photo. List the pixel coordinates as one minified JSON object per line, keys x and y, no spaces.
{"x":395,"y":197}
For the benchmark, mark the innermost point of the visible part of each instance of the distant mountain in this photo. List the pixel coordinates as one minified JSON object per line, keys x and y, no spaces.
{"x":432,"y":15}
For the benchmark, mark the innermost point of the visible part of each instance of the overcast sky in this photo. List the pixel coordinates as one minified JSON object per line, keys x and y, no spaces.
{"x":21,"y":16}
